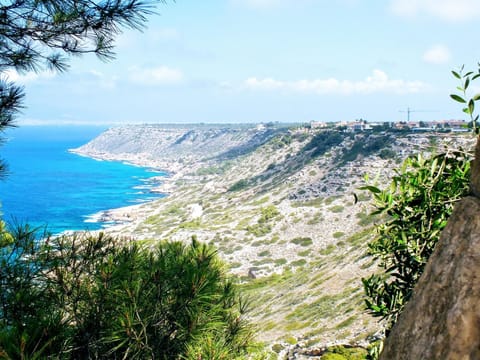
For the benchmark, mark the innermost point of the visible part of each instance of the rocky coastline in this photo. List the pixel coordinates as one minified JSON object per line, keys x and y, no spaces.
{"x":282,"y":215}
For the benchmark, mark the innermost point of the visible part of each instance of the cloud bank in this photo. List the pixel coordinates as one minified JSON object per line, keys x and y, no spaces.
{"x":28,"y":77}
{"x":160,"y":75}
{"x":448,"y":10}
{"x":378,"y":82}
{"x":437,"y":54}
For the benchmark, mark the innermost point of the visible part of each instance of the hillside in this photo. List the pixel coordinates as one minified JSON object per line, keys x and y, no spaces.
{"x":278,"y":204}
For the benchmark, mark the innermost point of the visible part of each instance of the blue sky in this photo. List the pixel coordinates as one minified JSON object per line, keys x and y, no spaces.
{"x":270,"y":60}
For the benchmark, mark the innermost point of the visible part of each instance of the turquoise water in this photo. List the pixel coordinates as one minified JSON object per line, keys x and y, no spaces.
{"x":48,"y":186}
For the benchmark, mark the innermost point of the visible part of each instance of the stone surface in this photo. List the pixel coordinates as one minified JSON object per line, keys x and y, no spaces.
{"x":442,"y":320}
{"x":475,"y":174}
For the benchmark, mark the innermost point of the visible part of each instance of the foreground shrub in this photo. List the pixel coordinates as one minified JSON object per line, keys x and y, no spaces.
{"x":94,"y":296}
{"x":417,"y":205}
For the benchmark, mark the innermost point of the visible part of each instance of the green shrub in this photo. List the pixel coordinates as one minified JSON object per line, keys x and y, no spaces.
{"x":365,"y":219}
{"x":337,"y":209}
{"x":341,"y":352}
{"x":302,"y":241}
{"x":277,"y":348}
{"x":261,"y":201}
{"x":387,"y":154}
{"x":210,"y":170}
{"x":192,"y":224}
{"x":331,"y":199}
{"x":259,"y":229}
{"x":239,"y":185}
{"x":290,"y":340}
{"x":333,"y":356}
{"x":299,"y":262}
{"x":174,"y":209}
{"x":262,"y":227}
{"x":314,"y":202}
{"x":271,"y":166}
{"x":365,"y":146}
{"x":323,"y":142}
{"x":268,"y":213}
{"x":328,"y":250}
{"x":264,"y":253}
{"x":304,"y":253}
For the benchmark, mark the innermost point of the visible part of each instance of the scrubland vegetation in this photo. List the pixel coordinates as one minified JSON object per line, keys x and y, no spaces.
{"x":99,"y":295}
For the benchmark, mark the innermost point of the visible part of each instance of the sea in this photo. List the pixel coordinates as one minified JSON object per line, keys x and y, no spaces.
{"x":50,"y":188}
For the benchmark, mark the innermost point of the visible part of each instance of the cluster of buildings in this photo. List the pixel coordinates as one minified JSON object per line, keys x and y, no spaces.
{"x":363,"y":125}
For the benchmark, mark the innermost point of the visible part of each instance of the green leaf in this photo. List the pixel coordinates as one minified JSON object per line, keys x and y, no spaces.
{"x":467,"y":82}
{"x":471,"y":106}
{"x":434,"y":166}
{"x":458,"y":98}
{"x":476,"y":97}
{"x":457,"y":75}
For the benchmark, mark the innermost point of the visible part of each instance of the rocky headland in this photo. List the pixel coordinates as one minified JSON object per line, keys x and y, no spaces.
{"x":282,"y":206}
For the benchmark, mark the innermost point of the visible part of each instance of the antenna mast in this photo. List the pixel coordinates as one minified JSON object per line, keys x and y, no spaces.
{"x":408,"y":113}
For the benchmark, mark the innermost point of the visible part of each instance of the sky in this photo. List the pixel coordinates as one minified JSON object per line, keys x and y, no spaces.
{"x":230,"y":61}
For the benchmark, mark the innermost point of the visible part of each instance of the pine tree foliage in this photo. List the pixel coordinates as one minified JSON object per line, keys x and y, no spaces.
{"x":35,"y":34}
{"x":94,"y":296}
{"x":42,"y":34}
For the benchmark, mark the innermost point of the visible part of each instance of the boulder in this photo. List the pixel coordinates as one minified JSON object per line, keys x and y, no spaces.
{"x":442,"y":319}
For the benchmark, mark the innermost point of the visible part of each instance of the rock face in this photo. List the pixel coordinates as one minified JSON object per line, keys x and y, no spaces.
{"x":475,"y":175}
{"x":442,"y":320}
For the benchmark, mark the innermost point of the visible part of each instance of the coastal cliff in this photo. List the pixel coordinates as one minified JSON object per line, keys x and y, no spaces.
{"x":278,"y":205}
{"x":174,"y":146}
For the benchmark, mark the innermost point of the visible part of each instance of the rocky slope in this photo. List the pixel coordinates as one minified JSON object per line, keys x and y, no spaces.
{"x":278,"y":204}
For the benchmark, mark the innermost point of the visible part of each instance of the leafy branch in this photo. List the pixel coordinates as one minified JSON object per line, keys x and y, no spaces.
{"x":469,"y":103}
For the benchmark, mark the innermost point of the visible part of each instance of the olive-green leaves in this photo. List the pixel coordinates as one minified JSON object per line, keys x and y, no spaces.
{"x":465,"y":81}
{"x":415,"y":206}
{"x":458,"y":98}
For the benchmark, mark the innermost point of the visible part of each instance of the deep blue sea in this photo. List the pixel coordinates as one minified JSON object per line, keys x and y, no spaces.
{"x":48,"y":186}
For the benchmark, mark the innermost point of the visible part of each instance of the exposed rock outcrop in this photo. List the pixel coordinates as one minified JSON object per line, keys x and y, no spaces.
{"x":442,"y":320}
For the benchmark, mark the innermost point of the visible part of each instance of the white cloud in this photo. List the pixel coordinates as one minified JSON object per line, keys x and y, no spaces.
{"x":104,"y":81}
{"x":377,"y":82}
{"x":29,"y":77}
{"x":264,"y":84}
{"x":161,"y":75}
{"x":437,"y":54}
{"x":449,"y":10}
